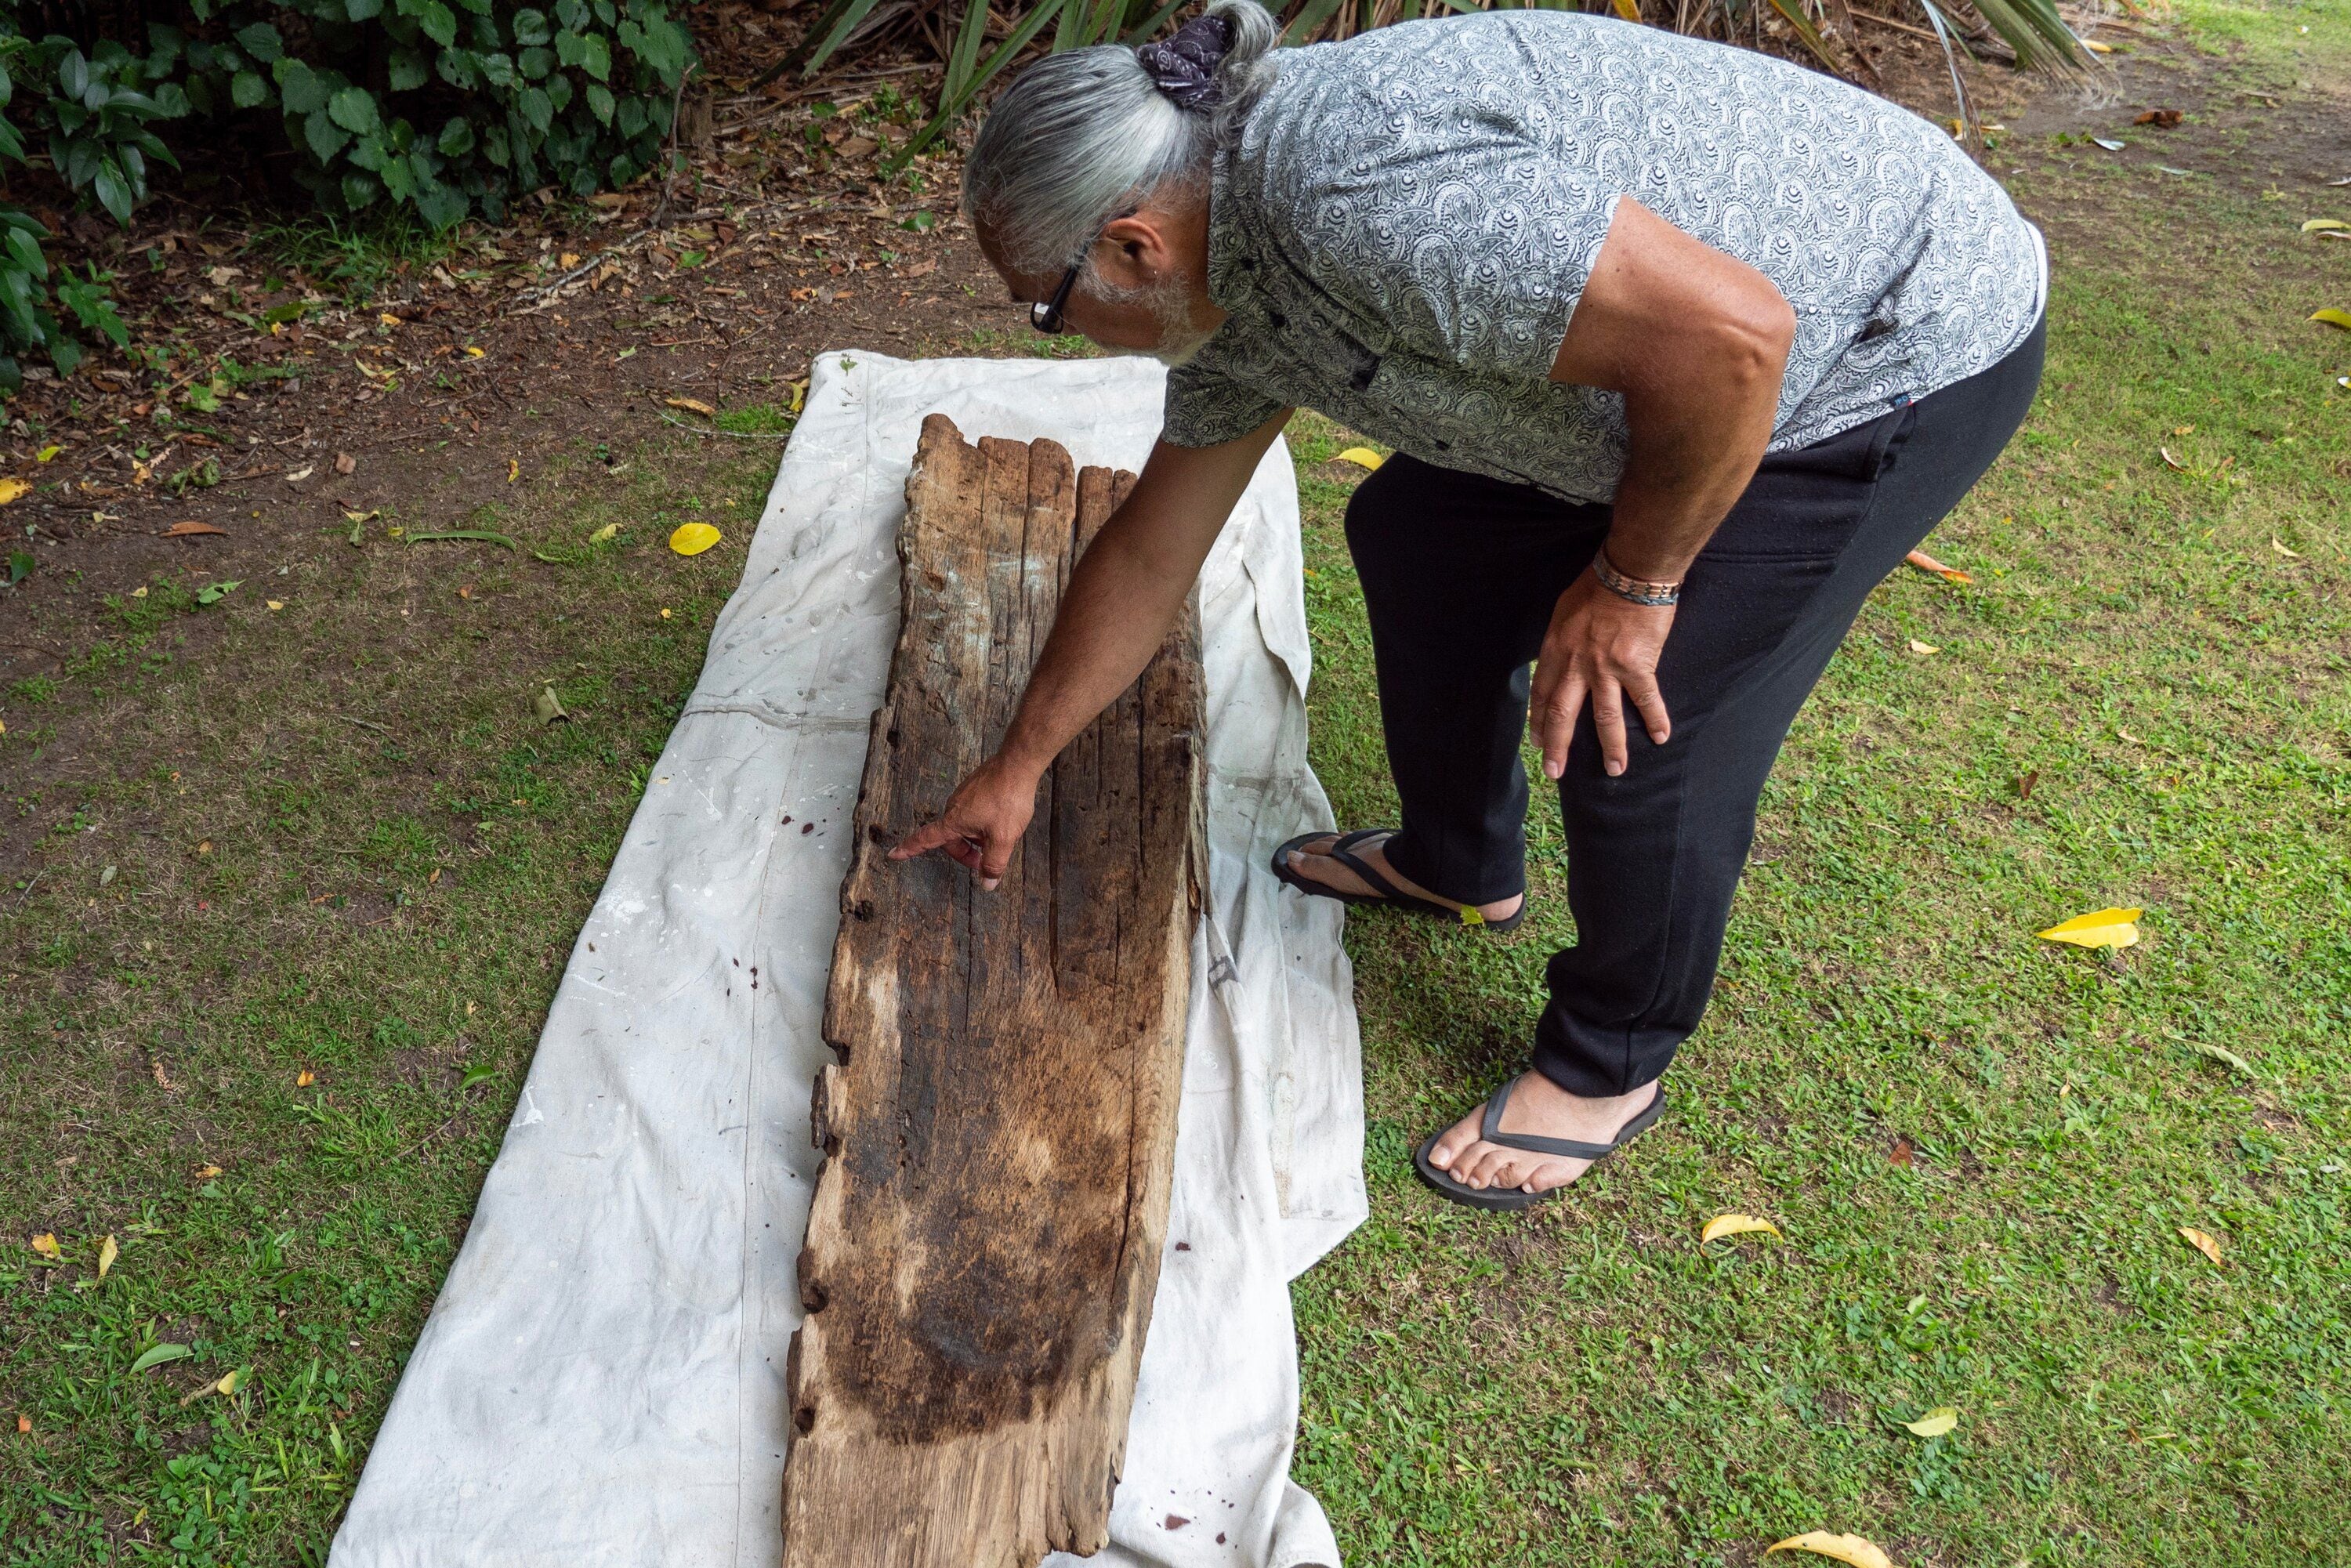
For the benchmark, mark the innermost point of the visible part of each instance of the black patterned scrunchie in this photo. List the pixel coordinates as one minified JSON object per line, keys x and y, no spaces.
{"x":1185,"y":66}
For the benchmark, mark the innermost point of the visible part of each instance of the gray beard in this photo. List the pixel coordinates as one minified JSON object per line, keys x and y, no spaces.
{"x":1179,"y":339}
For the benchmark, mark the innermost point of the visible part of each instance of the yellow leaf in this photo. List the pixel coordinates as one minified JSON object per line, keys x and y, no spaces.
{"x":692,"y":538}
{"x":1853,"y":1549}
{"x":139,"y":592}
{"x":228,"y":1385}
{"x":275,"y":603}
{"x":2171,"y":462}
{"x":1628,"y":9}
{"x":514,"y":469}
{"x":1935,"y":1422}
{"x":46,"y":453}
{"x":2097,"y":48}
{"x":2331,"y":315}
{"x":46,"y":1244}
{"x":691,"y":405}
{"x":2289,"y":554}
{"x":1723,"y":1225}
{"x":1362,"y":457}
{"x":472,"y":352}
{"x":568,"y":258}
{"x":386,"y":318}
{"x":604,"y":534}
{"x":2324,"y":226}
{"x":107,"y":1253}
{"x":2202,"y":1242}
{"x":304,"y":1078}
{"x":11,"y":488}
{"x":664,"y":614}
{"x":1918,"y":647}
{"x":206,"y":1173}
{"x":2099,"y":929}
{"x":1472,"y":917}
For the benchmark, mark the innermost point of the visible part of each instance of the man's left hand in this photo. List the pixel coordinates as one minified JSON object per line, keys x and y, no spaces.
{"x":1603,"y":649}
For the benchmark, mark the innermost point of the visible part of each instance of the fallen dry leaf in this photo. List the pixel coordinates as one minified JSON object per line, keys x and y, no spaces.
{"x":1723,"y":1225}
{"x":2128,"y":737}
{"x":2331,"y":315}
{"x":2166,"y":118}
{"x":1903,"y":1153}
{"x":2325,"y":225}
{"x":2025,"y":783}
{"x":692,"y":538}
{"x":474,"y":353}
{"x":206,"y":1173}
{"x":2099,"y":929}
{"x":692,"y":406}
{"x":1935,"y":1422}
{"x":190,"y":530}
{"x":2289,"y":554}
{"x":514,"y":469}
{"x":304,"y":1078}
{"x":604,"y":535}
{"x":2170,"y":462}
{"x":46,"y":1244}
{"x":345,"y":463}
{"x":11,"y":488}
{"x":1926,"y":563}
{"x":298,"y":475}
{"x":1857,"y":1550}
{"x":275,"y":603}
{"x":2222,"y":1054}
{"x":2203,"y":1242}
{"x":205,"y":847}
{"x":1918,"y":647}
{"x":1362,"y":457}
{"x":23,"y":1426}
{"x":107,"y":1253}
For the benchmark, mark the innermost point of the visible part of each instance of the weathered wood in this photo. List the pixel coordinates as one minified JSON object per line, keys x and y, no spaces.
{"x":984,"y":1242}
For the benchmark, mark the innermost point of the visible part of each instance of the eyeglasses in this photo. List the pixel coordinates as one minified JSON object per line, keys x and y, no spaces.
{"x":1045,"y":314}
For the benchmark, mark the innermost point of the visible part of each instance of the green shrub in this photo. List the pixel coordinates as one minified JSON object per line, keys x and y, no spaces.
{"x":444,"y":108}
{"x":92,"y":112}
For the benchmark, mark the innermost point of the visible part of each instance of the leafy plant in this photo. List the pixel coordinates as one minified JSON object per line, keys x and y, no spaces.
{"x":445,"y":108}
{"x":959,"y":31}
{"x":93,"y":112}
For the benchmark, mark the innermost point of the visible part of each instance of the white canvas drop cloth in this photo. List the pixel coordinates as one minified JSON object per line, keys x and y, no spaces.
{"x":602,"y":1379}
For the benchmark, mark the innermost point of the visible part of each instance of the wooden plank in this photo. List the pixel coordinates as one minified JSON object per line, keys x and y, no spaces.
{"x":984,"y":1242}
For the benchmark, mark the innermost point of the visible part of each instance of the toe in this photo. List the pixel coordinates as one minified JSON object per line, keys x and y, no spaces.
{"x":1459,"y":1139}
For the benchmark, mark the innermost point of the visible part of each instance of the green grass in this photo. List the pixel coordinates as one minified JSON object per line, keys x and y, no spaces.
{"x":361,"y":857}
{"x":334,"y":839}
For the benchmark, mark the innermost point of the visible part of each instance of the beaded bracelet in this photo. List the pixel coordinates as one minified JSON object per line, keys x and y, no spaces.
{"x":1637,"y":590}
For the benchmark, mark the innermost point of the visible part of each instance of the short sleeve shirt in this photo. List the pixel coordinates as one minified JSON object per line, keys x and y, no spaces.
{"x":1404,"y":227}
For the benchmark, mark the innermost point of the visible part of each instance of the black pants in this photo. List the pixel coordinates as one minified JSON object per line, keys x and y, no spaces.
{"x":1461,"y":574}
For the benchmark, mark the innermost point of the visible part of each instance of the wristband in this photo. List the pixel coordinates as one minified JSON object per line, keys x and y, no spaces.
{"x":1639,"y":591}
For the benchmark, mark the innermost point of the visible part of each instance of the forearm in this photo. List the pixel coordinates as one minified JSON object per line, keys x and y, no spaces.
{"x":1687,"y":464}
{"x":1127,"y":590}
{"x":1123,"y":598}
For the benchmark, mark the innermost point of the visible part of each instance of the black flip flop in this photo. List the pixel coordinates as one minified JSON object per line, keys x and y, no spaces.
{"x":1388,"y":894}
{"x":1489,"y":1129}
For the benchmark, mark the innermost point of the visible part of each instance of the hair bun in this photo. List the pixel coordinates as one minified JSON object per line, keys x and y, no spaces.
{"x":1185,"y":66}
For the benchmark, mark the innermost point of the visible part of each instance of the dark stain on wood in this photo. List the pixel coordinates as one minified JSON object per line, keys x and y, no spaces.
{"x":985,"y":1239}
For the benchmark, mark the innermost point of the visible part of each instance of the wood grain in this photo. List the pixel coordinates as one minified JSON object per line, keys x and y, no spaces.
{"x":985,"y":1239}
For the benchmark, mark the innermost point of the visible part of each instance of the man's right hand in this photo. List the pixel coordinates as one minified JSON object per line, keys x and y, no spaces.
{"x":983,"y":822}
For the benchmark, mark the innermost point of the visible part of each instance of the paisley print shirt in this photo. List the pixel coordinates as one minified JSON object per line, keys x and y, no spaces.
{"x":1409,"y":217}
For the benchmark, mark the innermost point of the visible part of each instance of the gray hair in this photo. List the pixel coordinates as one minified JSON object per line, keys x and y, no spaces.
{"x":1081,"y":135}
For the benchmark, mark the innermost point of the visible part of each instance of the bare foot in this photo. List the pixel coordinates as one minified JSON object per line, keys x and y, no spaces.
{"x":1542,"y":1109}
{"x":1313,"y":861}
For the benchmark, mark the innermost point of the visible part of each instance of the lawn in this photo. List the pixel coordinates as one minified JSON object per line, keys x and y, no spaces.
{"x":305,"y":877}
